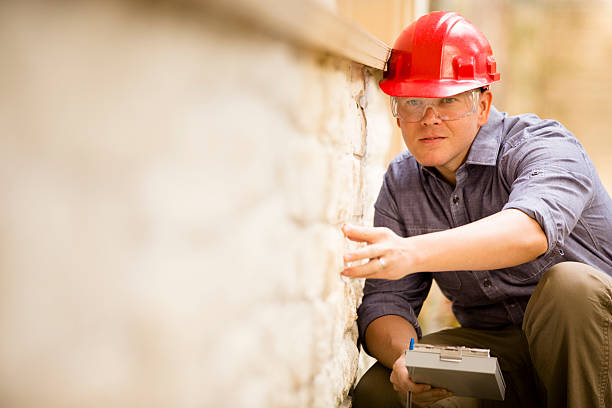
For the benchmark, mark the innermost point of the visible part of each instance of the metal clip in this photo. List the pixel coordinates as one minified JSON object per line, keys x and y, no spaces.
{"x":452,"y":354}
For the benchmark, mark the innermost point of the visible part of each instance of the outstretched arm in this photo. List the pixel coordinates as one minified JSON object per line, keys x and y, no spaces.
{"x":507,"y":238}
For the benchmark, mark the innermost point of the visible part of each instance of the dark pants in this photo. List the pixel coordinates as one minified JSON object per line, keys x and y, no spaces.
{"x":560,"y":357}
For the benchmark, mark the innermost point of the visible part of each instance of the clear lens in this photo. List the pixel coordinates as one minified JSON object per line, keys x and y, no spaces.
{"x":448,"y":108}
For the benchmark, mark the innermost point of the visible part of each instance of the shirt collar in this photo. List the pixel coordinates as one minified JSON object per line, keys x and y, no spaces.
{"x":485,"y":148}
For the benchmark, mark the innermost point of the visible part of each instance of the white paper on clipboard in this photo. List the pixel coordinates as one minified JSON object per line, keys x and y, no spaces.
{"x":466,"y":372}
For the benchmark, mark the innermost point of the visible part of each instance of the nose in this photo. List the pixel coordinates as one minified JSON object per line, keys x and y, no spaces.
{"x":430,"y":117}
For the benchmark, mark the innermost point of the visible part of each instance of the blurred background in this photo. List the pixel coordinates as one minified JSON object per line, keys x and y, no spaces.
{"x":175,"y":174}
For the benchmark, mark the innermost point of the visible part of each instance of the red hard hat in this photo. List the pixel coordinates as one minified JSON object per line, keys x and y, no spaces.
{"x":441,"y":54}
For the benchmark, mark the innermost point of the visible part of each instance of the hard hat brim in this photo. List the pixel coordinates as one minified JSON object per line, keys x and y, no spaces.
{"x":429,"y":88}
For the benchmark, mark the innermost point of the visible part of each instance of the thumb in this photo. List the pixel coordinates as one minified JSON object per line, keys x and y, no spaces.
{"x":420,"y":387}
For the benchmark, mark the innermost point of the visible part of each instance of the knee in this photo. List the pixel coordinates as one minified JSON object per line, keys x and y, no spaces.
{"x":572,"y":281}
{"x":375,"y":390}
{"x":571,"y":288}
{"x":363,"y":395}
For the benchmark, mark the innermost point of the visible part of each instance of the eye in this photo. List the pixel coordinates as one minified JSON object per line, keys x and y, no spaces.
{"x":412,"y":102}
{"x":448,"y":100}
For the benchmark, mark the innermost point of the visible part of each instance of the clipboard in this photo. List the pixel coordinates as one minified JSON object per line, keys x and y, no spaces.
{"x":466,"y":372}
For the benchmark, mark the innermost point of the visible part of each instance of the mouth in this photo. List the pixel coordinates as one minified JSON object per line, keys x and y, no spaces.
{"x":431,"y":139}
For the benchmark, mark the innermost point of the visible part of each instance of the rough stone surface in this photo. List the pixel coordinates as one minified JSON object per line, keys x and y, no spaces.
{"x":174,"y":184}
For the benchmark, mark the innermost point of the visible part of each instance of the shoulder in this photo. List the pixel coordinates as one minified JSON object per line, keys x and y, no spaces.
{"x":529,"y":141}
{"x":403,"y":171}
{"x":520,"y":129}
{"x":403,"y":165}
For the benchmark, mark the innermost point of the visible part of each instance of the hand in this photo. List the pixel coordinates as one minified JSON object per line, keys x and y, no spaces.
{"x":422,"y":394}
{"x":398,"y":256}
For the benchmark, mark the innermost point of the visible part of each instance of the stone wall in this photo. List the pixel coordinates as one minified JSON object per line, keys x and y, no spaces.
{"x":173,"y":185}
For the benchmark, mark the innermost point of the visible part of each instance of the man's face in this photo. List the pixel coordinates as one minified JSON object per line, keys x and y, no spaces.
{"x":444,"y":144}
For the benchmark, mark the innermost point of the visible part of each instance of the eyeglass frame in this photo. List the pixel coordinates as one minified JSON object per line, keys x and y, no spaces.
{"x":475,"y":98}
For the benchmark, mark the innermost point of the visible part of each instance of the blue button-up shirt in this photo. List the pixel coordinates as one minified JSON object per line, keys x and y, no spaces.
{"x":522,"y":162}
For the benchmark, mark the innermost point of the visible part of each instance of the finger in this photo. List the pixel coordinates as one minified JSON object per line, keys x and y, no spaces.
{"x":370,"y":251}
{"x":363,"y":234}
{"x":373,"y":270}
{"x":433,"y":393}
{"x":418,"y":388}
{"x":368,"y":270}
{"x":430,"y":397}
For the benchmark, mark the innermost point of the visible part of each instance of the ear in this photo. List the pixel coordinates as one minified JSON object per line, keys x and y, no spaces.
{"x":397,"y":121}
{"x":484,"y":107}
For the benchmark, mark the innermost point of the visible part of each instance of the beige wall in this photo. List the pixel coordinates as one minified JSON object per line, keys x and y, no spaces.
{"x":174,"y":185}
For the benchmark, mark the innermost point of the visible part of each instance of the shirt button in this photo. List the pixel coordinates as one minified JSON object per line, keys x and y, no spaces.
{"x":455,"y":199}
{"x":487,"y":283}
{"x":561,"y":252}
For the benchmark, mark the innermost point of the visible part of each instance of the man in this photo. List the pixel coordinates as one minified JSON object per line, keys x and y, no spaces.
{"x":507,"y":214}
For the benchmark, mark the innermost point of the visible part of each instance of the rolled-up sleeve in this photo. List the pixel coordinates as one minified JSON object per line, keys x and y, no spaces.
{"x":403,"y":297}
{"x":551,"y":179}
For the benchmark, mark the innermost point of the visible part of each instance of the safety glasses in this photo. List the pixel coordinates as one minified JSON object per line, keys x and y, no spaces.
{"x":449,"y":108}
